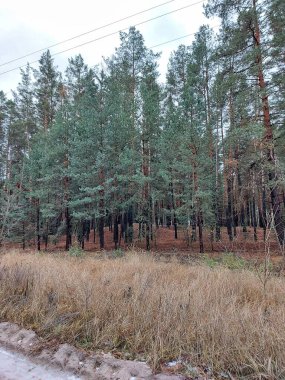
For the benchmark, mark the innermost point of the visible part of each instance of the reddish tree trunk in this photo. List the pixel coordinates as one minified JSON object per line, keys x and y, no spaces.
{"x":268,"y":135}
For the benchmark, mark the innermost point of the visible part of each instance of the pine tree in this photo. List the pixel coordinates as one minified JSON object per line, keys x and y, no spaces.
{"x":150,"y":133}
{"x":110,"y":147}
{"x":127,"y":68}
{"x":47,"y":90}
{"x":3,"y":128}
{"x":242,"y":33}
{"x":276,"y":19}
{"x":192,"y":178}
{"x":178,"y":167}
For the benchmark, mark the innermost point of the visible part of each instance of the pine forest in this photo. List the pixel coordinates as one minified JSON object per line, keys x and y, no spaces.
{"x":112,"y":146}
{"x":142,"y":215}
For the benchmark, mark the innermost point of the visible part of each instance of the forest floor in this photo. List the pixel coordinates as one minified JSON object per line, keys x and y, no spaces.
{"x":165,"y":245}
{"x":206,"y":318}
{"x":164,"y":241}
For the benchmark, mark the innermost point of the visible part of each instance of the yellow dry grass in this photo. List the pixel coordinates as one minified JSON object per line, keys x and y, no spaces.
{"x":217,"y":317}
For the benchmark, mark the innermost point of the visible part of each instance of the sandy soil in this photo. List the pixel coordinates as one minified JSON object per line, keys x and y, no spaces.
{"x":24,"y":356}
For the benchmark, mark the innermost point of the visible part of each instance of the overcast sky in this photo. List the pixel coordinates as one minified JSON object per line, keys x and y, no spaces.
{"x":30,"y":25}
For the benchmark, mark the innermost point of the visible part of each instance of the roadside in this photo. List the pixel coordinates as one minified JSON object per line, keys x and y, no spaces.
{"x":24,"y":356}
{"x":14,"y":366}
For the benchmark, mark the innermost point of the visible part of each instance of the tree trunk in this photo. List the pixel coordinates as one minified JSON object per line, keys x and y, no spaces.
{"x":229,"y":211}
{"x":116,"y":231}
{"x":130,"y":224}
{"x":67,"y":229}
{"x":101,"y":208}
{"x":101,"y":232}
{"x":254,"y":222}
{"x":38,"y":226}
{"x":87,"y":229}
{"x":46,"y":235}
{"x":174,"y":212}
{"x":94,"y":231}
{"x":147,"y":236}
{"x":200,"y":228}
{"x":193,"y":225}
{"x":268,"y":135}
{"x":197,"y":200}
{"x":264,"y":216}
{"x":23,"y":236}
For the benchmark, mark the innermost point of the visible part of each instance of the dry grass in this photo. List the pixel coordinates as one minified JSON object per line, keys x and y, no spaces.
{"x":218,"y":317}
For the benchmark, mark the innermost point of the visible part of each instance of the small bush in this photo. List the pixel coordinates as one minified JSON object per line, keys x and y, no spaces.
{"x":210,"y":261}
{"x":232,"y":261}
{"x":119,"y":252}
{"x":228,"y":260}
{"x":76,"y":251}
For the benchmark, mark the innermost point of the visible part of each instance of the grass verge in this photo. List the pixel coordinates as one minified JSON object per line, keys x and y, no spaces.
{"x":217,"y":317}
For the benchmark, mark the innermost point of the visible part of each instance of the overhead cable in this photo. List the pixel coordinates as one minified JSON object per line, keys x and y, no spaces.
{"x":85,"y":33}
{"x":107,"y":35}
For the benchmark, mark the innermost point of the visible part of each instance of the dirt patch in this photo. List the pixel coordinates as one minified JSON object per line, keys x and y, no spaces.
{"x":66,"y":358}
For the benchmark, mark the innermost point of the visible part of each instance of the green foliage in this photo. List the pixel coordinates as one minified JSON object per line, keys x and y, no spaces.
{"x":228,"y":260}
{"x":111,"y":145}
{"x":233,"y":261}
{"x":76,"y":251}
{"x":210,"y":261}
{"x":118,"y":253}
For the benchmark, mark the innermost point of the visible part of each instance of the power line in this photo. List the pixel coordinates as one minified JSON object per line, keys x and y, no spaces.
{"x":121,"y":30}
{"x":178,"y":38}
{"x":110,"y":34}
{"x":175,"y":39}
{"x":85,"y":33}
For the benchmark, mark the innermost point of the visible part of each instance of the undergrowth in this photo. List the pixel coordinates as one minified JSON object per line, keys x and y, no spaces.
{"x":228,"y":260}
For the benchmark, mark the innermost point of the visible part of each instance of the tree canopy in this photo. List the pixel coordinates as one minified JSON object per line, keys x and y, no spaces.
{"x":112,"y":146}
